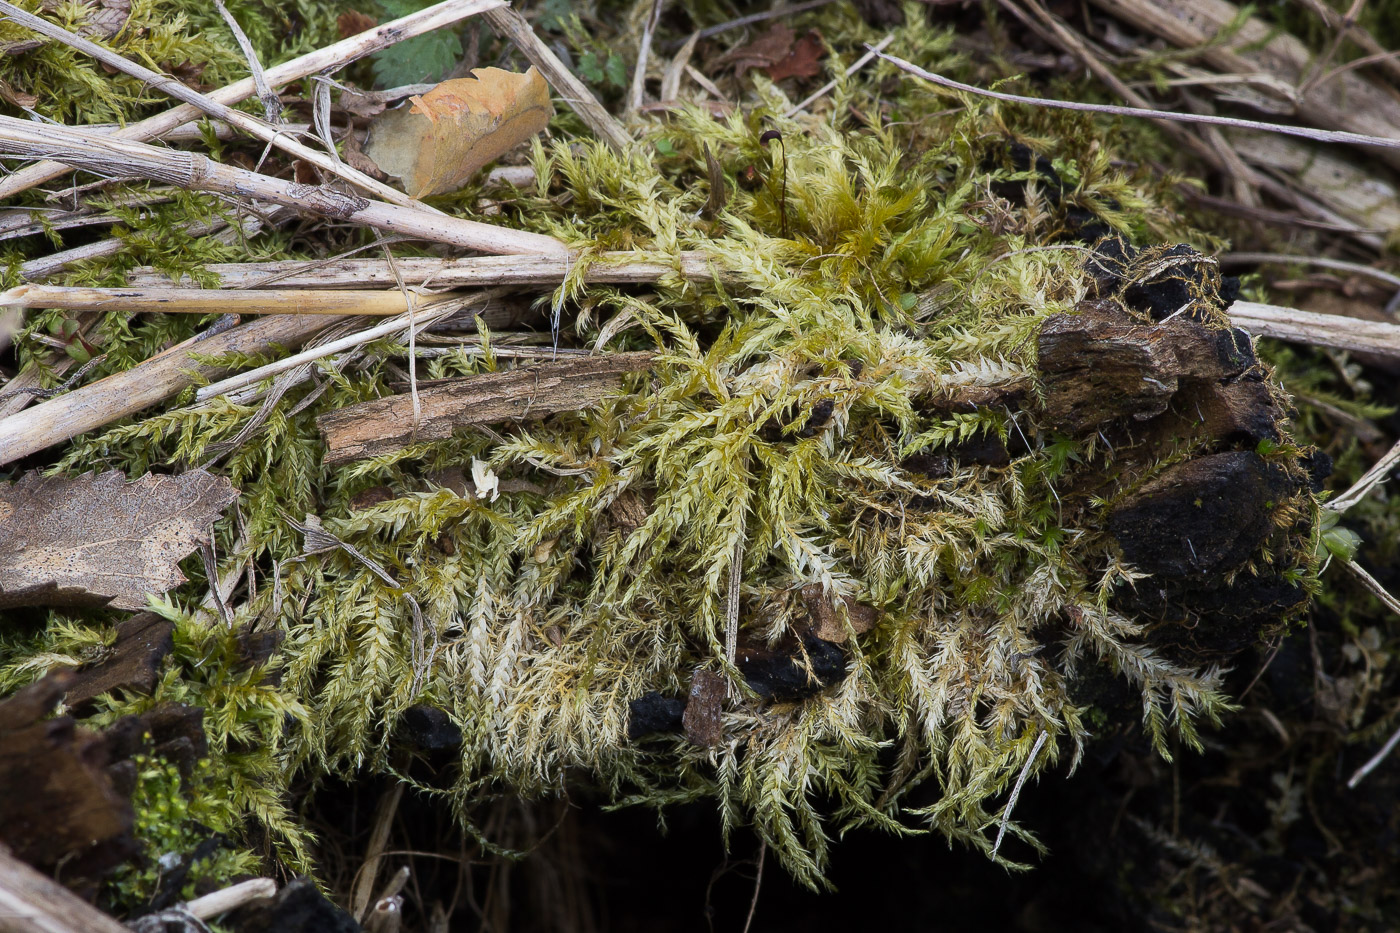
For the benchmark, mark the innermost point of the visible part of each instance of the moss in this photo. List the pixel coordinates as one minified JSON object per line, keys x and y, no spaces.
{"x":871,"y":272}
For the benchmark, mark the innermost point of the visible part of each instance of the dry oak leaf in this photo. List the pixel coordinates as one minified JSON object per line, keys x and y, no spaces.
{"x":97,"y":539}
{"x":779,"y":53}
{"x":440,"y":141}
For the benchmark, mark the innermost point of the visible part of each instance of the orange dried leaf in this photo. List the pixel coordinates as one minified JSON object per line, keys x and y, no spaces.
{"x":450,"y":132}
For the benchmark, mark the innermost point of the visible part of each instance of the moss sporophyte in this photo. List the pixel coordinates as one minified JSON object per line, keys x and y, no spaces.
{"x":948,"y":441}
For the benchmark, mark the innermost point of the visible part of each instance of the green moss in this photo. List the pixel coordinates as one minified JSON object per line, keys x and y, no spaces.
{"x":871,"y":270}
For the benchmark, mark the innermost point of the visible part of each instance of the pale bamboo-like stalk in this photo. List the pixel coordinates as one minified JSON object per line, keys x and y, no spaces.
{"x":356,"y":302}
{"x":571,"y":90}
{"x":619,"y":268}
{"x":106,"y":155}
{"x":273,"y":135}
{"x":329,"y":58}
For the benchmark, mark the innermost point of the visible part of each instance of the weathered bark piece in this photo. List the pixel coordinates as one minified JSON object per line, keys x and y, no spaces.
{"x":32,"y":903}
{"x":1096,"y":369}
{"x":702,"y":717}
{"x":825,"y":622}
{"x":382,"y":425}
{"x":143,"y":641}
{"x":97,"y":539}
{"x":57,"y":804}
{"x":1347,"y":101}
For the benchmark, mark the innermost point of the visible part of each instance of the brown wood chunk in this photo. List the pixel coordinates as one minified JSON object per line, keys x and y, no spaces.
{"x":57,"y":805}
{"x":825,"y":622}
{"x":1095,"y":370}
{"x":143,"y":641}
{"x":702,"y":716}
{"x":386,"y":424}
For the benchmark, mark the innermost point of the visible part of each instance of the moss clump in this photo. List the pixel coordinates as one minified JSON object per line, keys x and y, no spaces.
{"x":804,"y":430}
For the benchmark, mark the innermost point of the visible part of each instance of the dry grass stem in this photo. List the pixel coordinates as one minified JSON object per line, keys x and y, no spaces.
{"x":621,"y":268}
{"x":1323,"y":262}
{"x":232,"y":897}
{"x":106,"y":155}
{"x":1327,"y":136}
{"x":330,"y":58}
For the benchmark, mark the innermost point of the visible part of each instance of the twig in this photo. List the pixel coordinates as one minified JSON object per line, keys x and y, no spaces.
{"x":32,"y":903}
{"x":388,"y":328}
{"x":1016,"y":791}
{"x":1326,"y":136}
{"x":636,"y":268}
{"x":1369,"y":480}
{"x":1374,"y":586}
{"x":1324,"y":262}
{"x":272,"y":104}
{"x":572,"y":91}
{"x":272,"y":135}
{"x":214,"y":301}
{"x":232,"y":897}
{"x":106,"y":155}
{"x":760,"y":17}
{"x":1375,"y":760}
{"x":855,"y":66}
{"x":1378,"y":53}
{"x":327,"y":59}
{"x":361,"y":899}
{"x":1321,"y":330}
{"x":147,"y":383}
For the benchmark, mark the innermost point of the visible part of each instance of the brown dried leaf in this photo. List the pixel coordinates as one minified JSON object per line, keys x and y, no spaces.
{"x":101,"y":19}
{"x":447,"y":134}
{"x":803,"y":61}
{"x":95,"y":539}
{"x":763,"y":52}
{"x":353,"y":22}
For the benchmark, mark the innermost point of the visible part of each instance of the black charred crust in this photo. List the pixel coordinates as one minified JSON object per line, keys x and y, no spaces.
{"x":786,"y":673}
{"x":653,"y":712}
{"x":429,"y":729}
{"x":780,"y":427}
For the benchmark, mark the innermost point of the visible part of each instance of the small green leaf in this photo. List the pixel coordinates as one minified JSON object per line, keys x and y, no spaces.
{"x":78,"y":352}
{"x":664,"y":147}
{"x":589,"y":69}
{"x":617,"y":71}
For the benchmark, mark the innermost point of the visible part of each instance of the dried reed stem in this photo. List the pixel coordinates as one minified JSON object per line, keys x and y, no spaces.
{"x":217,"y":301}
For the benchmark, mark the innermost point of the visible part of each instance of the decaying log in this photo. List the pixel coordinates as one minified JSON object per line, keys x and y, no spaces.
{"x":33,"y":903}
{"x":387,"y":424}
{"x":57,"y":804}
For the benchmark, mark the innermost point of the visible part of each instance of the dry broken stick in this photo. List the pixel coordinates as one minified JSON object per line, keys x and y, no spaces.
{"x":155,"y":380}
{"x":104,"y":155}
{"x":629,"y":268}
{"x":328,"y":59}
{"x":369,"y":429}
{"x":571,"y":90}
{"x":1320,"y":330}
